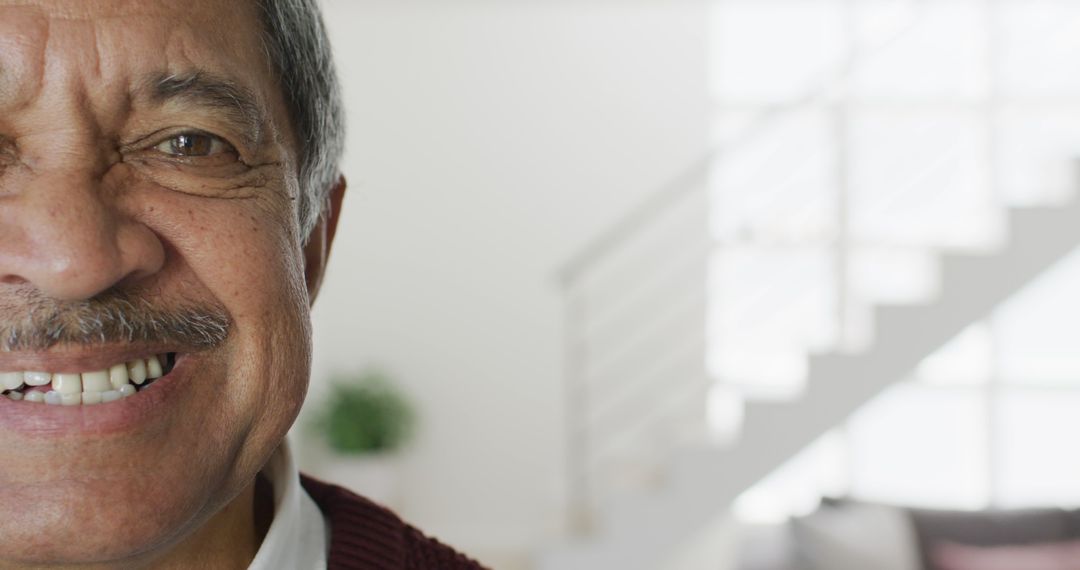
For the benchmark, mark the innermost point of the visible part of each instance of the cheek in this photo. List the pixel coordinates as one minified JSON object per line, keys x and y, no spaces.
{"x":243,"y":248}
{"x":249,"y":262}
{"x":245,"y":255}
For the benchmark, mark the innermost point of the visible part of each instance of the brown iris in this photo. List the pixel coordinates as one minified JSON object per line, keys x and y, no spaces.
{"x":191,"y":144}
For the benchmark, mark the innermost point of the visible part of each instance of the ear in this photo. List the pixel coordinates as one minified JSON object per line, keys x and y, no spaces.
{"x":321,"y":238}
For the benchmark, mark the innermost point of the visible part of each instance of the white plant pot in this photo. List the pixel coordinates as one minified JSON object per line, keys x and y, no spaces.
{"x":375,"y":476}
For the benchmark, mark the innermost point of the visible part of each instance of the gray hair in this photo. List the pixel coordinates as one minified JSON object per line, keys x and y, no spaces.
{"x":294,"y":37}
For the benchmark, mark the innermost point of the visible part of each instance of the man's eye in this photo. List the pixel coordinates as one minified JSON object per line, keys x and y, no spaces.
{"x":193,"y":145}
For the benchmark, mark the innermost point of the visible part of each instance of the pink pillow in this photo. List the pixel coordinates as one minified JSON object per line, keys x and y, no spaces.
{"x":1046,"y":556}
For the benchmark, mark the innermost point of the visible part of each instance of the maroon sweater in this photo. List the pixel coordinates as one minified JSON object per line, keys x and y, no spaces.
{"x":365,"y":536}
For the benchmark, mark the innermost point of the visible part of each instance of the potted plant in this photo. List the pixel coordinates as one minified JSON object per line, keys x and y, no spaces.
{"x":364,"y":423}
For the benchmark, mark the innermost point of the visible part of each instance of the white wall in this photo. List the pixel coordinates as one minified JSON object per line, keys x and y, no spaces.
{"x":488,"y":142}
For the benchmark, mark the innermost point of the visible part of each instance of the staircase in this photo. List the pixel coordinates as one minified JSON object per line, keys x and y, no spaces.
{"x":639,"y":531}
{"x":644,"y":471}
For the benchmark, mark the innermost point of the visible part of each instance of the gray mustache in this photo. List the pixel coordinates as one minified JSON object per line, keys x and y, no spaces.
{"x":39,"y":323}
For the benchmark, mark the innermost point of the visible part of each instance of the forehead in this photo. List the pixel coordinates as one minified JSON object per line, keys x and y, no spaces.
{"x":107,"y":45}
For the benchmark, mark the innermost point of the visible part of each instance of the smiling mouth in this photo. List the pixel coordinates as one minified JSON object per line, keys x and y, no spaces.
{"x":115,"y":383}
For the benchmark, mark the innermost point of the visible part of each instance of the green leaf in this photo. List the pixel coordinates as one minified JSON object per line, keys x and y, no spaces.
{"x":365,"y":414}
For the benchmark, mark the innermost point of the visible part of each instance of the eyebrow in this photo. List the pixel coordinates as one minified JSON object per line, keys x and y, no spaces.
{"x":237,"y":103}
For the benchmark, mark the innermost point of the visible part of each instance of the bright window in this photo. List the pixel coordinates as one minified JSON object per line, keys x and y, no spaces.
{"x":865,"y":138}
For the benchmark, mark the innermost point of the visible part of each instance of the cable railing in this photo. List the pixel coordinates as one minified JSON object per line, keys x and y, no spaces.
{"x":635,"y":347}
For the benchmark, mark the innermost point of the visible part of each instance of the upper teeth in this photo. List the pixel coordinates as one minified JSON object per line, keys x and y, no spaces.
{"x":73,"y":388}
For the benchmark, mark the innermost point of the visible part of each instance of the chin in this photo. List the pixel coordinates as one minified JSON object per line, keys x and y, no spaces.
{"x":128,"y":512}
{"x":113,"y":525}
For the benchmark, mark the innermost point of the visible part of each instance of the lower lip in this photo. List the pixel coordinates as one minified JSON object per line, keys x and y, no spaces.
{"x":133,"y":412}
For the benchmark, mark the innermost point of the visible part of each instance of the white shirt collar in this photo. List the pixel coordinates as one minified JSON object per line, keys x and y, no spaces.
{"x":298,"y":534}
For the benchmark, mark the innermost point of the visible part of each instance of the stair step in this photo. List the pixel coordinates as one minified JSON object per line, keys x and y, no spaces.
{"x":1033,"y":220}
{"x":703,"y":479}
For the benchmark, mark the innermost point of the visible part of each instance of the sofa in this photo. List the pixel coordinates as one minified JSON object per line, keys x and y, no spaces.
{"x":845,"y":534}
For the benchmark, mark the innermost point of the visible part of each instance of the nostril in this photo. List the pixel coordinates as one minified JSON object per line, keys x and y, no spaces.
{"x":12,"y":280}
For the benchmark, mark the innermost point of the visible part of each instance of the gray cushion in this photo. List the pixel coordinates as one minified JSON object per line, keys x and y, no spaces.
{"x":767,"y":547}
{"x":991,"y":528}
{"x":856,"y":536}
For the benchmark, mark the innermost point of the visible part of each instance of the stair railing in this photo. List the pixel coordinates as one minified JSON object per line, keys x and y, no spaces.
{"x":666,"y":401}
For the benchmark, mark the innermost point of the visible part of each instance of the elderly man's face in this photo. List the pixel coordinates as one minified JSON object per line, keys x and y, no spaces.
{"x":147,"y":176}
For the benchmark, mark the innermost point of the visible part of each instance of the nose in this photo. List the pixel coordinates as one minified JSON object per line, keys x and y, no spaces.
{"x":63,"y":234}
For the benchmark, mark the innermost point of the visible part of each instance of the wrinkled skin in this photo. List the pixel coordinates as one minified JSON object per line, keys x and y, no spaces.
{"x":93,"y":198}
